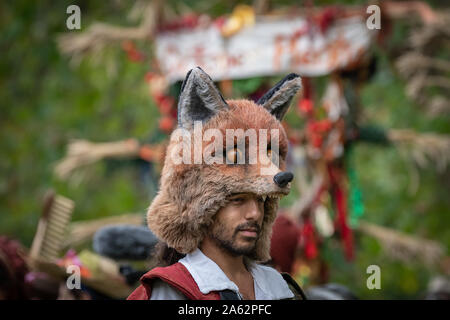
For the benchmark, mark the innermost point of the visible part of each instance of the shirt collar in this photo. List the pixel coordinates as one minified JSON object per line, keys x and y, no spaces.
{"x":210,"y":277}
{"x":206,"y":273}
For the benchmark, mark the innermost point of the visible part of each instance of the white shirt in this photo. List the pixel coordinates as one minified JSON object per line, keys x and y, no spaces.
{"x":268,"y":283}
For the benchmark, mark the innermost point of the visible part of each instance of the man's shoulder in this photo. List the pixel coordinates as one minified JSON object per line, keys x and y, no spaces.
{"x":173,"y":282}
{"x":163,"y":291}
{"x":294,"y":287}
{"x":176,"y":275}
{"x":271,"y":276}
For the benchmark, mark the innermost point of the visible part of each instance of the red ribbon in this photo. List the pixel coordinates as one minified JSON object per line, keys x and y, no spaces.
{"x":340,"y":199}
{"x":308,"y":237}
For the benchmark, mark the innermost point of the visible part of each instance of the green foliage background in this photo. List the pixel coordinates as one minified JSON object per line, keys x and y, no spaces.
{"x":45,"y":102}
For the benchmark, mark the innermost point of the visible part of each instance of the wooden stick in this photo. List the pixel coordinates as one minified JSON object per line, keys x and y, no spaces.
{"x":82,"y":231}
{"x":405,"y":247}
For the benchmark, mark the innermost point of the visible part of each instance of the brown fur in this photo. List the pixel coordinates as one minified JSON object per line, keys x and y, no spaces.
{"x":190,"y":195}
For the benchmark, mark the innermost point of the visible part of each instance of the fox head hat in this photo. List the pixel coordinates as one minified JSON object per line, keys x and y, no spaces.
{"x":192,"y":192}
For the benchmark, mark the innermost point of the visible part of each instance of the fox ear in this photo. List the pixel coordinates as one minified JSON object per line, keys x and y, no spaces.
{"x":278,"y":99}
{"x":199,"y":99}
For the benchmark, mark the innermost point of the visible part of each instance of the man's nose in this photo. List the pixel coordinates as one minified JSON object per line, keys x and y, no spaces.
{"x":283,"y":178}
{"x":253,"y":210}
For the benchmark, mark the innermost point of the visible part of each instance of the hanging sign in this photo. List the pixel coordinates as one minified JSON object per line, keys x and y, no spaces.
{"x":266,"y":48}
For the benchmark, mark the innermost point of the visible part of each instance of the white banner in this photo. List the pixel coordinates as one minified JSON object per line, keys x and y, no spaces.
{"x":266,"y":48}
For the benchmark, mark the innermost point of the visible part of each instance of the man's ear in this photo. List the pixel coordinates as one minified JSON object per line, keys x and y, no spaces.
{"x":199,"y":99}
{"x":278,"y":99}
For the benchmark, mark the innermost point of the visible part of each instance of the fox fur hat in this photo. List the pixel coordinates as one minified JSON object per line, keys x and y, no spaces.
{"x":191,"y":194}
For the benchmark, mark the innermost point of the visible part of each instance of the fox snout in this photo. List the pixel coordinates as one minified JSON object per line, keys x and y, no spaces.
{"x":281,"y":179}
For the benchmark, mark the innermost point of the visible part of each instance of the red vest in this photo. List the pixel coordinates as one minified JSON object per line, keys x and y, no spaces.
{"x":176,"y":276}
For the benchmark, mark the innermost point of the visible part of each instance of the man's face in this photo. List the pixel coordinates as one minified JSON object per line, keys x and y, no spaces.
{"x":237,"y":226}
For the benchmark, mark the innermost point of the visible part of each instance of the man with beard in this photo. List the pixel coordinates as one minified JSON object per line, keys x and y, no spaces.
{"x":222,"y":264}
{"x":214,"y":218}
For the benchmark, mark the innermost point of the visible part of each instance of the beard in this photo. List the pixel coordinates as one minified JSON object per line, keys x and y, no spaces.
{"x":228,"y":240}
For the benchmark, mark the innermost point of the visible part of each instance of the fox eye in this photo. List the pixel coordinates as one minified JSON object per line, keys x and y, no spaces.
{"x":234,"y":156}
{"x":273,"y":156}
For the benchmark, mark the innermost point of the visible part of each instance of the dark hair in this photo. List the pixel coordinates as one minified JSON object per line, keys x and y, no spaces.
{"x":166,"y":256}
